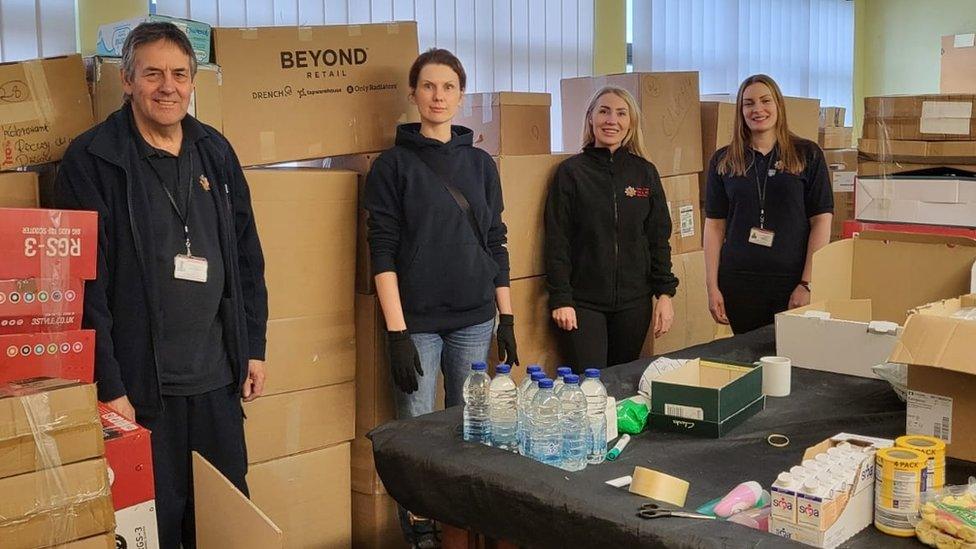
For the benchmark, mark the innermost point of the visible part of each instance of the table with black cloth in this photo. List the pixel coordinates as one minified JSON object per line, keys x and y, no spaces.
{"x":427,"y":467}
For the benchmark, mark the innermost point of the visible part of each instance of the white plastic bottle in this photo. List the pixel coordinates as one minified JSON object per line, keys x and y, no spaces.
{"x":477,"y":424}
{"x":596,"y":411}
{"x":503,"y":409}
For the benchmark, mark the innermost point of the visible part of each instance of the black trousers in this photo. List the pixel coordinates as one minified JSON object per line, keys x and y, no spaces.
{"x":752,"y":300}
{"x":606,"y":339}
{"x":210,"y":423}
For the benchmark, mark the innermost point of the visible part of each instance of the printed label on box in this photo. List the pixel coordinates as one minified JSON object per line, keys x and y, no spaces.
{"x":687,"y":412}
{"x":687,"y":216}
{"x":930,"y":415}
{"x":964,"y":40}
{"x":136,"y":527}
{"x":843,"y":182}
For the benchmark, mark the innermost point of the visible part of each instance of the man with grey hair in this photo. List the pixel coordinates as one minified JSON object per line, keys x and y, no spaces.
{"x":179,"y":305}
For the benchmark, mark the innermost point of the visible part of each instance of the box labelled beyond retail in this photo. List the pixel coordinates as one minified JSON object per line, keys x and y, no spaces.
{"x":48,"y":243}
{"x":938,"y":345}
{"x":46,"y":105}
{"x":958,"y":74}
{"x":296,"y":93}
{"x":507,"y":123}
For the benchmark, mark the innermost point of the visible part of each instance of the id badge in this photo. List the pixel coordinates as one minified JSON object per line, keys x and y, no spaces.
{"x":761,"y":237}
{"x":190,"y":268}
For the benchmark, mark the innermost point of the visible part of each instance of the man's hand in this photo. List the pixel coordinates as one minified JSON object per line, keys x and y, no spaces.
{"x":254,"y":384}
{"x":123,"y":407}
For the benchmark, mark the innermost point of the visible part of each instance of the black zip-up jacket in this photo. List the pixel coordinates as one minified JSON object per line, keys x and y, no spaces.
{"x":122,"y":304}
{"x":447,"y":274}
{"x":607,"y":231}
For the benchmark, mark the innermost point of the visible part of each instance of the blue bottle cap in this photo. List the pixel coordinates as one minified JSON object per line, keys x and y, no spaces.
{"x":563,"y":370}
{"x":545,"y":383}
{"x":592,"y":373}
{"x":533,"y":368}
{"x":571,"y":379}
{"x":503,"y":368}
{"x":479,"y":367}
{"x":536,"y":376}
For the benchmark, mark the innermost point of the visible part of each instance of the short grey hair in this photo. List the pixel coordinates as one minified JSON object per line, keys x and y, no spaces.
{"x":147,"y":33}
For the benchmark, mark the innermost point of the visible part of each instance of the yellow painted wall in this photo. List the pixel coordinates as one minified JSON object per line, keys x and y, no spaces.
{"x":93,"y":13}
{"x":609,"y":36}
{"x":897,"y":44}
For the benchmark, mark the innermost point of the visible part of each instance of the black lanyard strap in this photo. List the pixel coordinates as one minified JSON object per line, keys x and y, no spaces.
{"x":184,"y":218}
{"x":761,"y":188}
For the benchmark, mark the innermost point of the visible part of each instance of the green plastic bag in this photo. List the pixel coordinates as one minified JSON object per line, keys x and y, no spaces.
{"x":631,"y":417}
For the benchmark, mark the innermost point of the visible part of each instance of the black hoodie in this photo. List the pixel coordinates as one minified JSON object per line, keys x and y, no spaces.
{"x":607,"y":231}
{"x":447,"y":274}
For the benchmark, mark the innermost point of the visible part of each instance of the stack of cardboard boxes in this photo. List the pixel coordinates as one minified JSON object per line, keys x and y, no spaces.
{"x":835,"y":140}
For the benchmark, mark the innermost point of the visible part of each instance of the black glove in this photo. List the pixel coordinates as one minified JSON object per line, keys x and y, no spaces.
{"x":404,"y":360}
{"x":507,"y":349}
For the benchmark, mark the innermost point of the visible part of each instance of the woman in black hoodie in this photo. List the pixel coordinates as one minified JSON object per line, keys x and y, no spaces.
{"x":607,"y":231}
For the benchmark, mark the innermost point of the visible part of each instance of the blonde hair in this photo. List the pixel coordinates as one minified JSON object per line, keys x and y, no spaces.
{"x":734,"y":162}
{"x":634,"y":140}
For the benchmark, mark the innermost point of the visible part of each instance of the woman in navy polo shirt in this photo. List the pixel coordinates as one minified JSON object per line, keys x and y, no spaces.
{"x":768,"y":208}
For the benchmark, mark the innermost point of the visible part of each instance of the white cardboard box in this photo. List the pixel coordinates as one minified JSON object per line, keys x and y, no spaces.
{"x":907,"y":199}
{"x":835,"y":336}
{"x":135,"y":526}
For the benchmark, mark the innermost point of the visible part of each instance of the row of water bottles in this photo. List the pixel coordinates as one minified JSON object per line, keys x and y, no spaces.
{"x":559,"y":422}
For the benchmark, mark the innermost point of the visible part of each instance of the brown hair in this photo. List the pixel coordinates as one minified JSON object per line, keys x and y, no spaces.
{"x":437,"y":56}
{"x":734,"y":161}
{"x":634,"y":140}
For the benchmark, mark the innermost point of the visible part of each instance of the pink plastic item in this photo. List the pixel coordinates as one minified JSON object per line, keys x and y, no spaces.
{"x":741,"y":497}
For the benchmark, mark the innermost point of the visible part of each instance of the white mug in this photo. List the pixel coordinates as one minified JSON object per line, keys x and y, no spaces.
{"x":776,"y":373}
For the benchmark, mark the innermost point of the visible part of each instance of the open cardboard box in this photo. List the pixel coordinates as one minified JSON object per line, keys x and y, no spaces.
{"x":225,"y":517}
{"x":894,"y":272}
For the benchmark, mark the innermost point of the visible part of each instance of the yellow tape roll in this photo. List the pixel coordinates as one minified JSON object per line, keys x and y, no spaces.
{"x":655,"y":485}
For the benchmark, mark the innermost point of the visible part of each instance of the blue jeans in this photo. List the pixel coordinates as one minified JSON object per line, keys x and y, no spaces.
{"x":452,"y":353}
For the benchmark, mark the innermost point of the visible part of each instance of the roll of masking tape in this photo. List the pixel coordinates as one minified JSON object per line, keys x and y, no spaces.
{"x":655,"y":485}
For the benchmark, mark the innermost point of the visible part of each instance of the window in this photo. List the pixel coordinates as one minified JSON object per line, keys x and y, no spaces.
{"x":36,"y":28}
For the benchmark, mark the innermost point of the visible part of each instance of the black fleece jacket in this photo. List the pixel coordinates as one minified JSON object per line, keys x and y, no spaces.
{"x":607,"y":231}
{"x":447,"y":272}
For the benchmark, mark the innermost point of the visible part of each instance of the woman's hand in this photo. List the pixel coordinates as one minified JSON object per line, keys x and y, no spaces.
{"x":800,"y":297}
{"x":663,"y":315}
{"x":565,"y":318}
{"x":716,"y":306}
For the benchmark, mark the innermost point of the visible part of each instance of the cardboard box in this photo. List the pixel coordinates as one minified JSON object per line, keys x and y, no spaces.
{"x":365,"y":479}
{"x":285,"y":99}
{"x":930,"y":117}
{"x":128,"y":451}
{"x":684,"y":207}
{"x":136,"y":526}
{"x":48,"y":243}
{"x":843,"y":166}
{"x":958,"y":74}
{"x":111,"y":36}
{"x":361,"y":164}
{"x":46,"y":105}
{"x":938,"y":345}
{"x":832,"y":117}
{"x":909,"y":199}
{"x":374,"y":522}
{"x":41,"y":305}
{"x":852,"y":228}
{"x":55,"y":506}
{"x":307,"y":496}
{"x":693,"y":324}
{"x":374,"y":386}
{"x":919,"y":152}
{"x":73,"y":427}
{"x":307,"y":221}
{"x":289,"y":423}
{"x":508,"y":123}
{"x":535,"y":331}
{"x":101,"y":541}
{"x":843,"y":212}
{"x":19,"y":190}
{"x":310,"y":351}
{"x":227,"y":518}
{"x":671,"y":115}
{"x":706,"y":398}
{"x":67,"y":355}
{"x":836,"y":336}
{"x":525,"y":186}
{"x":873,"y":168}
{"x":836,"y":137}
{"x":105,"y":80}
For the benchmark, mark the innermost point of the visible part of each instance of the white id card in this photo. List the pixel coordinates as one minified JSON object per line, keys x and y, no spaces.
{"x":190,"y":268}
{"x":762,"y":237}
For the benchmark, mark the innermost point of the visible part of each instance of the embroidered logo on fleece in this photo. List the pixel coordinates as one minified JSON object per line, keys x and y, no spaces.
{"x":637,"y":192}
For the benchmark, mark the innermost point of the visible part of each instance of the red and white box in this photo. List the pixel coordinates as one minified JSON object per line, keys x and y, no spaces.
{"x":67,"y":355}
{"x":41,"y":305}
{"x":40,"y":243}
{"x":128,"y":451}
{"x":852,"y":227}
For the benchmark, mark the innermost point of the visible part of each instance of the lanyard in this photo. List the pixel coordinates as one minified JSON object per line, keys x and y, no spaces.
{"x":761,"y":188}
{"x":189,"y":195}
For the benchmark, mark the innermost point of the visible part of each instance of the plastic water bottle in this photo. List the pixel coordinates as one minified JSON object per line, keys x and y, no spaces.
{"x":545,"y":436}
{"x":503,"y":405}
{"x":575,"y":426}
{"x":596,"y":411}
{"x":477,"y":425}
{"x":560,"y":374}
{"x":525,"y":405}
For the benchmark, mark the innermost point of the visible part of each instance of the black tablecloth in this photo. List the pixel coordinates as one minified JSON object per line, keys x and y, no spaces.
{"x":426,"y":466}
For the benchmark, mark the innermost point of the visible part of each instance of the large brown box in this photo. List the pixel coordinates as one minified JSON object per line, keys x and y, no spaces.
{"x":307,"y":496}
{"x":872,"y":168}
{"x":374,"y":387}
{"x":832,"y":117}
{"x":307,"y":222}
{"x":836,"y":137}
{"x":105,"y":80}
{"x":693,"y":323}
{"x":535,"y":330}
{"x":42,"y":415}
{"x":19,"y":190}
{"x":681,"y":192}
{"x":374,"y":522}
{"x":310,"y":351}
{"x":843,"y":166}
{"x":289,"y":423}
{"x":508,"y":123}
{"x":843,"y":211}
{"x":938,"y":153}
{"x":670,"y":109}
{"x":45,"y":105}
{"x":930,"y":117}
{"x":958,"y":74}
{"x":293,"y":93}
{"x":56,"y":506}
{"x":525,"y":186}
{"x":361,"y":164}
